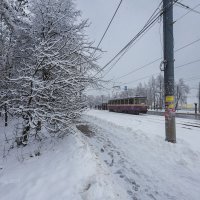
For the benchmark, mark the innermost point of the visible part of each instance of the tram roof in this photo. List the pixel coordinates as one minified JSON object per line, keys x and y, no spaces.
{"x":128,"y":98}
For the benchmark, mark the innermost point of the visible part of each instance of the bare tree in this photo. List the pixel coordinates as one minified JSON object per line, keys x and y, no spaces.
{"x":50,"y":63}
{"x":181,"y":92}
{"x":160,"y":90}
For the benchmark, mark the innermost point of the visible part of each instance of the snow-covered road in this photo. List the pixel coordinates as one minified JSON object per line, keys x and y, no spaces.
{"x":141,"y":162}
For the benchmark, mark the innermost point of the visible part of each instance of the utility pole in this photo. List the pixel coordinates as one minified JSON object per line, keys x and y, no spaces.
{"x":170,"y":128}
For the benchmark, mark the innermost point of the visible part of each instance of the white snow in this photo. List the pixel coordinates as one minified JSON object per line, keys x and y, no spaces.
{"x":126,"y":158}
{"x":67,"y":169}
{"x":148,"y":167}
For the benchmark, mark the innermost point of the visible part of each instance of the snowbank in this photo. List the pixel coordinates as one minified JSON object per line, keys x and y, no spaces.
{"x":66,"y":169}
{"x":136,"y":151}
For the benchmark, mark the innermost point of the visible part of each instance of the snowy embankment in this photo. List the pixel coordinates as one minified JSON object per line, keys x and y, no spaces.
{"x":146,"y":166}
{"x":65,"y":170}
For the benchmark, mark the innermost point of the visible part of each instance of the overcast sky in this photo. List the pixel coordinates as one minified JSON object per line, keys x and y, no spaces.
{"x":130,"y":18}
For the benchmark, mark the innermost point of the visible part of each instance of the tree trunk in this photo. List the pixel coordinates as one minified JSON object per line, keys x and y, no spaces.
{"x":6,"y":115}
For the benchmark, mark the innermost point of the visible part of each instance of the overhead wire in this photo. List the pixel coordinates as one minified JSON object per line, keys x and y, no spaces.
{"x":154,"y":74}
{"x":140,"y":78}
{"x":179,"y":18}
{"x":109,"y":24}
{"x":156,"y":60}
{"x":148,"y":24}
{"x":113,"y":65}
{"x":126,"y":47}
{"x":139,"y":68}
{"x":187,"y":45}
{"x":120,"y":52}
{"x":129,"y":47}
{"x":189,"y":63}
{"x":123,"y":54}
{"x":183,"y":65}
{"x":187,"y":7}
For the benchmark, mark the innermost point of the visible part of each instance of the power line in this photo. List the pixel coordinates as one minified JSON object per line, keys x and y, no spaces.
{"x":187,"y":45}
{"x":183,"y":65}
{"x":157,"y":59}
{"x":124,"y":49}
{"x":109,"y":23}
{"x":187,"y":7}
{"x":122,"y":55}
{"x":191,"y":9}
{"x":140,"y":78}
{"x":187,"y":12}
{"x":148,"y":24}
{"x":189,"y":79}
{"x":189,"y":63}
{"x":139,"y":68}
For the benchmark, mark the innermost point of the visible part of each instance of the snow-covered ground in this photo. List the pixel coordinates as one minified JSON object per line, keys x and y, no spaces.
{"x":120,"y":157}
{"x":66,"y":169}
{"x":177,"y":111}
{"x":147,"y":167}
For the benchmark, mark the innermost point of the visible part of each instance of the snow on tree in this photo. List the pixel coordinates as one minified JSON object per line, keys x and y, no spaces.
{"x":10,"y":27}
{"x":181,"y":92}
{"x":53,"y":63}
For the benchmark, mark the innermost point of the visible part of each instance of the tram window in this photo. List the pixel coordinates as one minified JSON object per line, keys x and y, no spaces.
{"x":122,"y":101}
{"x":136,"y":101}
{"x":142,"y":100}
{"x":131,"y":101}
{"x":126,"y":101}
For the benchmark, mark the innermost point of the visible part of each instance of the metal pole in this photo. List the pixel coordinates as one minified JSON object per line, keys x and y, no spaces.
{"x":170,"y":128}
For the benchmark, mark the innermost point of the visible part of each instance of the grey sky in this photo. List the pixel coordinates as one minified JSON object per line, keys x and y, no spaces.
{"x":130,"y":18}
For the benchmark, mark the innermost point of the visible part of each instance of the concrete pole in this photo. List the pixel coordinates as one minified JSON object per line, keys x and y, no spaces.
{"x":170,"y":128}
